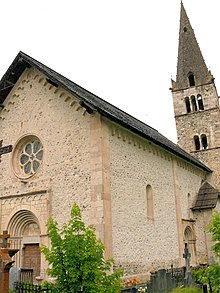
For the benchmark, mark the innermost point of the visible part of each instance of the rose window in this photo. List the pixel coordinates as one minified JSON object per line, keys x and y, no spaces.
{"x":31,"y":157}
{"x":27,"y":156}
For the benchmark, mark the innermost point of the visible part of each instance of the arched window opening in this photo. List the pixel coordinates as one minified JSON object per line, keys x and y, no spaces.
{"x":194,"y":105}
{"x":197,"y":142}
{"x":188,"y":234}
{"x":204,"y":141}
{"x":150,"y":204}
{"x":189,"y":239}
{"x":189,"y":201}
{"x":191,"y":79}
{"x":200,"y":102}
{"x":187,"y":102}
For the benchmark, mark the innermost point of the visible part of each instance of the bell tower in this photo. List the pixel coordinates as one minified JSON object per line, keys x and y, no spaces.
{"x":195,"y":100}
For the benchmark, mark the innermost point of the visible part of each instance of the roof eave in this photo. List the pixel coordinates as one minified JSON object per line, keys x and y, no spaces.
{"x":23,"y":61}
{"x":115,"y":119}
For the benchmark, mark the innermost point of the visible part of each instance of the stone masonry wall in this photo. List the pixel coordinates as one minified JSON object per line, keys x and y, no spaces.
{"x":71,"y":169}
{"x":102,"y":167}
{"x":37,"y":107}
{"x":140,"y":243}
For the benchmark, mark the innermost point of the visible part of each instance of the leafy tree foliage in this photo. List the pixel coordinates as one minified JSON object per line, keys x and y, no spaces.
{"x":211,"y":274}
{"x":76,"y":258}
{"x":214,"y":228}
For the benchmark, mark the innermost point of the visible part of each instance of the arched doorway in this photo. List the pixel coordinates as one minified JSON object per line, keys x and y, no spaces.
{"x":190,"y":240}
{"x":25,"y":232}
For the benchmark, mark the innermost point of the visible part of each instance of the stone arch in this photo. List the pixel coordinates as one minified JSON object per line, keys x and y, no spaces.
{"x":24,"y":228}
{"x":20,"y":221}
{"x":189,"y":238}
{"x":31,"y":209}
{"x":188,"y":234}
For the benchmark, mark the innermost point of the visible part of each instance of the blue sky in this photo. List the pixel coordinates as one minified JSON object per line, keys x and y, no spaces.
{"x":121,"y":50}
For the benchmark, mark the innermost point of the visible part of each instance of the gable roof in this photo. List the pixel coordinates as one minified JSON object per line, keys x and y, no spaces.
{"x":207,"y":197}
{"x":23,"y":61}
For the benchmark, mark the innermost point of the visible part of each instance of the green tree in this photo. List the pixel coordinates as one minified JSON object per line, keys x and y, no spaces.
{"x":76,"y":258}
{"x":214,"y":228}
{"x":211,"y":274}
{"x":213,"y":271}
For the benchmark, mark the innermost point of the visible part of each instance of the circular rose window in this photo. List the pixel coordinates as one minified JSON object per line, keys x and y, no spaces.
{"x":27,"y":156}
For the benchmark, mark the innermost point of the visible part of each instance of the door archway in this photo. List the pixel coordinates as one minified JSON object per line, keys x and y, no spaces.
{"x":190,"y":240}
{"x":24,"y":229}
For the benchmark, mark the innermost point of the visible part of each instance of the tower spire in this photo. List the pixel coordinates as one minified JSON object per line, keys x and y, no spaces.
{"x":191,"y":66}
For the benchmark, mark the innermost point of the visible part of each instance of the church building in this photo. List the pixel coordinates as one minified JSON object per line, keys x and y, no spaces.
{"x":145,"y":195}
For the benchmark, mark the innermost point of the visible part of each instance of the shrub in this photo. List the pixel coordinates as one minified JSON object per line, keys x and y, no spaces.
{"x":76,"y":258}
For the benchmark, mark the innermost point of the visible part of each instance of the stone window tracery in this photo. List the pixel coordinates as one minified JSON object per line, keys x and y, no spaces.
{"x":27,"y":156}
{"x":31,"y":157}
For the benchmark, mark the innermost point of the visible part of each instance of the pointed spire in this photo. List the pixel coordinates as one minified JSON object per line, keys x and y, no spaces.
{"x":190,"y":59}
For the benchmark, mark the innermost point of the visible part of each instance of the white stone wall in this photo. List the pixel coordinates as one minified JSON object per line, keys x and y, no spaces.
{"x":36,"y":107}
{"x":100,"y":166}
{"x":140,"y":243}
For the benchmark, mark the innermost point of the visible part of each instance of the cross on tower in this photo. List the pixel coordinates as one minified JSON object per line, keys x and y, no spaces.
{"x":4,"y":238}
{"x":5,"y":149}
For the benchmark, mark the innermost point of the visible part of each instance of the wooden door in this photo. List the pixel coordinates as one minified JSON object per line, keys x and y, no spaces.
{"x":31,"y":258}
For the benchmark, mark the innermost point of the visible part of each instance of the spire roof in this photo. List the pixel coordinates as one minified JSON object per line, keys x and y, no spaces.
{"x":190,"y":59}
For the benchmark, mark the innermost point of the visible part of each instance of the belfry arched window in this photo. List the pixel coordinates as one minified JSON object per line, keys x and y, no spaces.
{"x":200,"y":102}
{"x":187,"y":102}
{"x":194,"y":104}
{"x":204,"y":141}
{"x":191,"y":79}
{"x":201,"y":142}
{"x":197,"y":142}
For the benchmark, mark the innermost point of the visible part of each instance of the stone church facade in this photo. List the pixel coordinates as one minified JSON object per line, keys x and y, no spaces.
{"x":145,"y":195}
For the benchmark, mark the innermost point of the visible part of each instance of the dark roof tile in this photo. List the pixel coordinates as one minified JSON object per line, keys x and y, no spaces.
{"x":207,"y":197}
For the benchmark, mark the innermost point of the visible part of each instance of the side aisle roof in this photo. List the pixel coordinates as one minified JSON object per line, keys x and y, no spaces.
{"x":23,"y":61}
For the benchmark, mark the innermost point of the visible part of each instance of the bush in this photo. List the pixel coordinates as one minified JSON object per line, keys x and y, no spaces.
{"x":76,"y":258}
{"x":210,"y":275}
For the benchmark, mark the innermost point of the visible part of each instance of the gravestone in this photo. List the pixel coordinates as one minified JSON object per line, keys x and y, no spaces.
{"x":161,"y":282}
{"x":14,"y":276}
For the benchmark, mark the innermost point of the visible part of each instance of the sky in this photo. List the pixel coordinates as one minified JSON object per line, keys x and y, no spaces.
{"x":124,"y":51}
